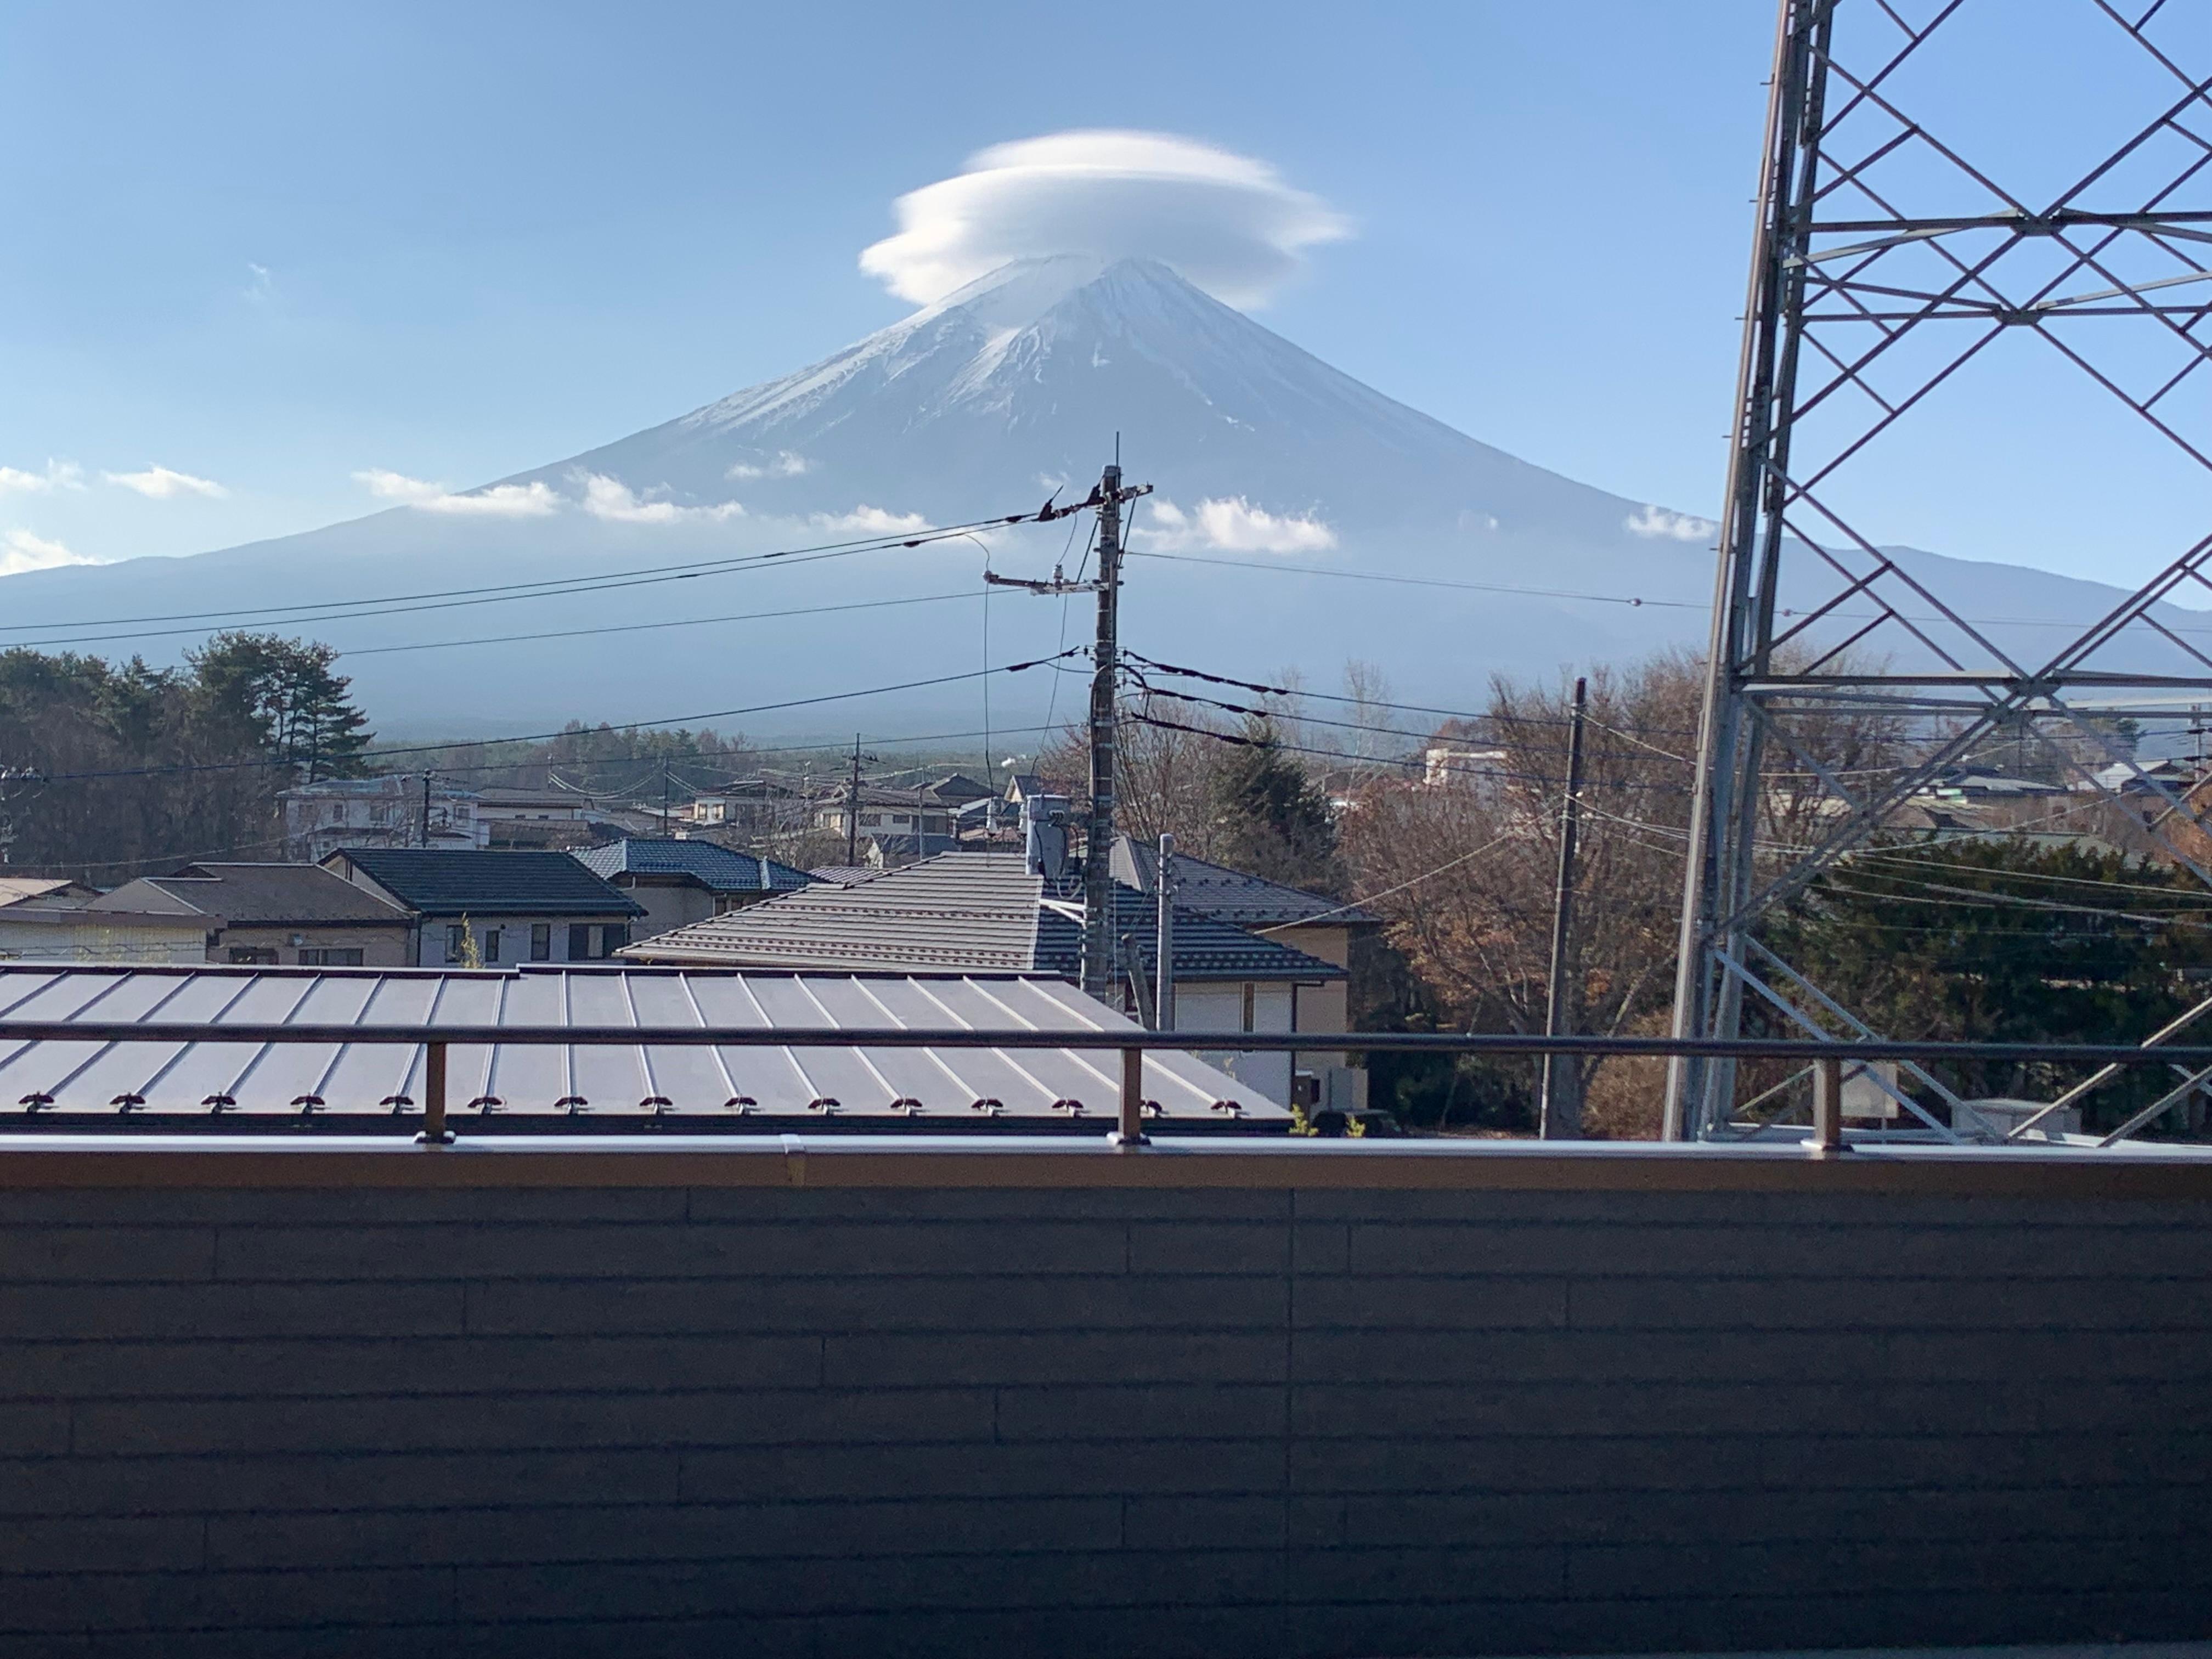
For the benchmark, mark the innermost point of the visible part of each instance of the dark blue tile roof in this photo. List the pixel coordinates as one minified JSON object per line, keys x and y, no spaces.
{"x":435,"y":883}
{"x":718,"y":869}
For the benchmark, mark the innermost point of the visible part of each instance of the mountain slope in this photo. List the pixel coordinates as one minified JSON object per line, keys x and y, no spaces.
{"x":975,"y":406}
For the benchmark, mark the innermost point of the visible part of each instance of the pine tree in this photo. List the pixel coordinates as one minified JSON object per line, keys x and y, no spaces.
{"x":1270,"y":819}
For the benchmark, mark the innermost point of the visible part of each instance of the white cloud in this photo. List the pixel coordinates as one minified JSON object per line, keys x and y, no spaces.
{"x":58,"y":475}
{"x":260,"y":287}
{"x":1230,"y":525}
{"x":870,"y":521}
{"x":614,"y":501}
{"x":1664,"y":526}
{"x":784,"y":465}
{"x":161,"y":483}
{"x":530,"y":501}
{"x":1227,"y":223}
{"x":21,"y":551}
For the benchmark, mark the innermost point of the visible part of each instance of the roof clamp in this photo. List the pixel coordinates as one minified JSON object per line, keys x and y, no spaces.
{"x":32,"y":1102}
{"x":907,"y":1104}
{"x":571,"y":1105}
{"x":822,"y":1104}
{"x":740,"y":1103}
{"x":659,"y":1105}
{"x":987,"y":1104}
{"x":1073,"y":1108}
{"x":122,"y":1102}
{"x":486,"y":1103}
{"x":399,"y":1103}
{"x":307,"y":1103}
{"x":219,"y":1102}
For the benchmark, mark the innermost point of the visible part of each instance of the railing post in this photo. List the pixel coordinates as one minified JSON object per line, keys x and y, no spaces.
{"x":1131,"y":1129}
{"x":435,"y":1132}
{"x":1828,"y":1105}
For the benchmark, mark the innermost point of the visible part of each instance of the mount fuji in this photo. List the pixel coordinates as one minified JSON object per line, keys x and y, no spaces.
{"x":1019,"y":385}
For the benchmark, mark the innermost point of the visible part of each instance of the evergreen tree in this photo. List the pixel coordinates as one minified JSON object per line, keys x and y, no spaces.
{"x":1270,"y":819}
{"x":281,"y":697}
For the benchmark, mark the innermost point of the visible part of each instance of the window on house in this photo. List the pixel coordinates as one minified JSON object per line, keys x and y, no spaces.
{"x":253,"y":955}
{"x":612,"y":938}
{"x":580,"y":942}
{"x":456,"y":943}
{"x":1249,"y":988}
{"x":331,"y":955}
{"x":541,"y":941}
{"x":491,"y":945}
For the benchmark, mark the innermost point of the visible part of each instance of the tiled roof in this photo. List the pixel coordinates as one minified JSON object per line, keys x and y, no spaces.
{"x":737,"y":1087}
{"x":844,"y":875}
{"x":249,"y":895}
{"x":720,"y":869}
{"x":971,"y":912}
{"x":1230,"y":895}
{"x":436,"y":883}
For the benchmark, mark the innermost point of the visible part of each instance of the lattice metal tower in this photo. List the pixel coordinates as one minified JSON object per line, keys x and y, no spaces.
{"x":1899,"y":255}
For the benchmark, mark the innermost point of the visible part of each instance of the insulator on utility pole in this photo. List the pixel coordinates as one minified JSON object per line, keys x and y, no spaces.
{"x":1559,"y":1112}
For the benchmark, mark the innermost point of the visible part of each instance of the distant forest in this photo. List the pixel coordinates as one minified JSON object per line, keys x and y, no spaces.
{"x":110,"y":769}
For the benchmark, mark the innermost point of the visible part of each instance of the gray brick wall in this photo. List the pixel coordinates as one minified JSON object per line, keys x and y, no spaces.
{"x":672,"y":1421}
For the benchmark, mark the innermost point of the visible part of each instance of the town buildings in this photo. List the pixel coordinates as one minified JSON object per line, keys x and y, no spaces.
{"x":681,"y":882}
{"x":299,"y":914}
{"x":469,"y":909}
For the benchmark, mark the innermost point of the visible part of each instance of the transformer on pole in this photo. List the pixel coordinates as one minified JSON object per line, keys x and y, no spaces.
{"x":1899,"y":256}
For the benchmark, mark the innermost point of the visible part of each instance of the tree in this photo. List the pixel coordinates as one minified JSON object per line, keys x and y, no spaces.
{"x":282,"y":696}
{"x":1269,"y":818}
{"x":2010,"y":940}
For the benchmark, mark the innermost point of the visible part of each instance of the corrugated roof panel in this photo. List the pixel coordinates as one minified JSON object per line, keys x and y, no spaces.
{"x":623,"y":1081}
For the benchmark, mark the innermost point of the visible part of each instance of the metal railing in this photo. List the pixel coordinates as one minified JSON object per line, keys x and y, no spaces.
{"x":1826,"y":1061}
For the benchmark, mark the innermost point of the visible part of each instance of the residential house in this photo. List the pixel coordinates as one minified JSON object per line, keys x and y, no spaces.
{"x":764,"y":805}
{"x":300,"y":915}
{"x":1314,"y":923}
{"x":681,"y":882}
{"x":892,"y":851}
{"x":467,"y":908}
{"x":51,"y":919}
{"x":992,"y":912}
{"x":558,"y":818}
{"x":1454,"y":766}
{"x":389,"y":811}
{"x":883,"y":811}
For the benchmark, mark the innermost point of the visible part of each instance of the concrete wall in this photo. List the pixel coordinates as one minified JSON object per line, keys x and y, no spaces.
{"x":460,"y":1410}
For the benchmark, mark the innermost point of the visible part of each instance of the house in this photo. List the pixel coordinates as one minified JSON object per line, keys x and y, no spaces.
{"x":390,"y":811}
{"x":762,"y":806}
{"x":883,"y":811}
{"x":1312,"y":923}
{"x":1453,"y":766}
{"x":754,"y":1090}
{"x":470,"y":908}
{"x":558,"y":818}
{"x":992,"y":912}
{"x":300,"y":915}
{"x":890,"y":852}
{"x":681,"y":882}
{"x":50,"y":919}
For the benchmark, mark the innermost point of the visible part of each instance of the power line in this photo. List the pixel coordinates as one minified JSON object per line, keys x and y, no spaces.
{"x":641,"y":627}
{"x":547,"y":737}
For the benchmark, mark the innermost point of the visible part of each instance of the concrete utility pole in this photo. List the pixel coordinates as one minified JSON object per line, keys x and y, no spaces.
{"x":1559,"y":1116}
{"x":1098,"y":935}
{"x":426,"y":775}
{"x":1164,"y":999}
{"x":1098,"y":847}
{"x":853,"y":809}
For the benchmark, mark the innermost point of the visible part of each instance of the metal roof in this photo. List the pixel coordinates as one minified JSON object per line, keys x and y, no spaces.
{"x":435,"y":882}
{"x":263,"y":894}
{"x":960,"y":912}
{"x":1231,"y":895}
{"x":734,"y":1086}
{"x":719,"y":868}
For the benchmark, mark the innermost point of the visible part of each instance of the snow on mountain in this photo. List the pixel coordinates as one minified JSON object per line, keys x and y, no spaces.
{"x":977,"y":406}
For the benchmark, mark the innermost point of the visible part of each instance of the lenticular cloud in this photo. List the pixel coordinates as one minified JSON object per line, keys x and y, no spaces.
{"x":1227,"y":223}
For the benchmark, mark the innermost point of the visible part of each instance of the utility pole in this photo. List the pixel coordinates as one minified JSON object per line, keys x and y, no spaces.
{"x":1164,"y":999}
{"x":1098,"y":936}
{"x":1105,"y":658}
{"x":853,"y":809}
{"x":426,"y":775}
{"x":1559,"y":1115}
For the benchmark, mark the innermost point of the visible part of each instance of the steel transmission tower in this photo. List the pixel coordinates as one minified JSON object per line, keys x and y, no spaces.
{"x":1897,"y":258}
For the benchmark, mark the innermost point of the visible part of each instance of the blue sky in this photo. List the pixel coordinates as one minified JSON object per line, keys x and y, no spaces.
{"x":269,"y":247}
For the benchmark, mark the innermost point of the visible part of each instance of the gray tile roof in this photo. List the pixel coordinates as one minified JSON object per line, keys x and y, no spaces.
{"x":256,"y":895}
{"x":436,"y":883}
{"x":574,"y":1085}
{"x":717,"y":868}
{"x":972,"y":912}
{"x":1230,"y":895}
